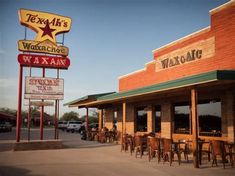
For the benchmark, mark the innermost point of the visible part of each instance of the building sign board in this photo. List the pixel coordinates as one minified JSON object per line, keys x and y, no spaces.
{"x":47,"y":26}
{"x":30,"y":60}
{"x":41,"y":103}
{"x":193,"y":52}
{"x":44,"y":88}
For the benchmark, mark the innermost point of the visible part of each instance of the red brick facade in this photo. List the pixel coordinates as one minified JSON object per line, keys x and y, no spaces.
{"x":222,"y":29}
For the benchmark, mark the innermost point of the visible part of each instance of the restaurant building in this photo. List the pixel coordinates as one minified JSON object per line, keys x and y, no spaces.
{"x":186,"y":91}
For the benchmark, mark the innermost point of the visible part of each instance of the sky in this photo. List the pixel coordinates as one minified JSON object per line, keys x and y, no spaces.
{"x":108,"y":39}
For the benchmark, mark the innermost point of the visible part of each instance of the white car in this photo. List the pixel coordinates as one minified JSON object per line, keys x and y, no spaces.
{"x":73,"y":125}
{"x":62,"y":125}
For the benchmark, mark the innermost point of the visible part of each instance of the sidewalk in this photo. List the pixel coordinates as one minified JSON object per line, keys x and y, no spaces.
{"x":96,"y":160}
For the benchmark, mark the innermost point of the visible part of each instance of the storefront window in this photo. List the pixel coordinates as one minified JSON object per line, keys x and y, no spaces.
{"x":141,"y":119}
{"x":182,"y":118}
{"x":209,"y":113}
{"x":157,"y":119}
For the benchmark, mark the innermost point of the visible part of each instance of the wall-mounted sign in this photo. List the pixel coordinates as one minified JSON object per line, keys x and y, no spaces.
{"x":44,"y":88}
{"x":41,"y":103}
{"x":30,"y":60}
{"x":47,"y":26}
{"x":196,"y":51}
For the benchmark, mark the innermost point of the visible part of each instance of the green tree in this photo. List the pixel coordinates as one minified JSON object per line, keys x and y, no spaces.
{"x":70,"y":116}
{"x":92,"y":118}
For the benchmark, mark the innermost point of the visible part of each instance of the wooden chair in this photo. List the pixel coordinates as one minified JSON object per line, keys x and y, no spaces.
{"x":124,"y":142}
{"x":184,"y":148}
{"x":154,"y":148}
{"x":204,"y":147}
{"x":218,"y":148}
{"x":140,"y":145}
{"x":169,"y":151}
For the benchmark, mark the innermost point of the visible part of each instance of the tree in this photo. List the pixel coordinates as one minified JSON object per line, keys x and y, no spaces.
{"x":93,"y":118}
{"x":70,"y":116}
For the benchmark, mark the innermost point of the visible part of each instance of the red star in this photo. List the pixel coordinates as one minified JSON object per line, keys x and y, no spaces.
{"x":47,"y":30}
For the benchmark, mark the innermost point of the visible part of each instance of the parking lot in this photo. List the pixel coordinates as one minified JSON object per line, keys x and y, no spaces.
{"x":85,"y":158}
{"x":70,"y":140}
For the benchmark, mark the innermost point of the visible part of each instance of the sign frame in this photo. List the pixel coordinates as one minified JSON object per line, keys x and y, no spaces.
{"x":39,"y":91}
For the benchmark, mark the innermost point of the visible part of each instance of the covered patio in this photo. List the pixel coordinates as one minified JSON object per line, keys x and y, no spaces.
{"x":173,"y":110}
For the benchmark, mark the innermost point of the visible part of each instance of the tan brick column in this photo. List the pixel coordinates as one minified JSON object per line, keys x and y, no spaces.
{"x":108,"y":118}
{"x":166,"y":123}
{"x":119,"y":119}
{"x":228,"y":121}
{"x":130,"y":119}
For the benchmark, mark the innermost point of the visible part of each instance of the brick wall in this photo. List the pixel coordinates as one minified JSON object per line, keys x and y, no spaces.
{"x":108,"y":118}
{"x":222,"y":29}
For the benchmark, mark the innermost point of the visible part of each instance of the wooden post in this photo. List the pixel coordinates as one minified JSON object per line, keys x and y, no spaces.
{"x":194,"y":127}
{"x":124,"y":117}
{"x":87,"y":118}
{"x":100,"y":119}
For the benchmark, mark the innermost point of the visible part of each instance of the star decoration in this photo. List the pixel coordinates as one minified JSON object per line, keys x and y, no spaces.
{"x":47,"y":30}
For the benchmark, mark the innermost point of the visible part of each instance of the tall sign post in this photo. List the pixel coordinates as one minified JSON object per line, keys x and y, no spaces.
{"x":49,"y":55}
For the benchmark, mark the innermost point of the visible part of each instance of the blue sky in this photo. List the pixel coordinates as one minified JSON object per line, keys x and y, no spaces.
{"x":108,"y":38}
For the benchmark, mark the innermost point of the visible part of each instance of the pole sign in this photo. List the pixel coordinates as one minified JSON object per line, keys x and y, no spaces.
{"x":30,"y":60}
{"x":44,"y":88}
{"x":47,"y":26}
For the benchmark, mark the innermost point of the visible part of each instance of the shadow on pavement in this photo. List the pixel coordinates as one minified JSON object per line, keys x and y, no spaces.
{"x":67,"y":145}
{"x":14,"y":171}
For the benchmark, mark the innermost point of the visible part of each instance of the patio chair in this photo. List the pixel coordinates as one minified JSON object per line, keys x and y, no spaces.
{"x":218,"y":148}
{"x":154,"y":148}
{"x":124,"y":142}
{"x":184,"y":148}
{"x":169,"y":151}
{"x":140,"y":145}
{"x":204,"y":147}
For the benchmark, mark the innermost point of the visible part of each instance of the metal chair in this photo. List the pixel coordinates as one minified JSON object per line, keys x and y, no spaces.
{"x":169,"y":151}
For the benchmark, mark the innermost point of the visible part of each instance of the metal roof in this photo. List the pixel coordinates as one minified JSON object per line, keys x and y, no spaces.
{"x":87,"y":98}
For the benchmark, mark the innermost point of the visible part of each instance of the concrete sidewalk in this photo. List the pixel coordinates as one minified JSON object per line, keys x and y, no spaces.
{"x":96,"y":161}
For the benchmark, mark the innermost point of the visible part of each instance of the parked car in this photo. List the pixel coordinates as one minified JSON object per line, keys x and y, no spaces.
{"x":73,"y":125}
{"x":5,"y":126}
{"x":62,"y":125}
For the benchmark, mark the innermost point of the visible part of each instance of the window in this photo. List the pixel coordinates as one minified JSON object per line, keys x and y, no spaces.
{"x":209,"y":113}
{"x":141,"y":119}
{"x":158,"y":119}
{"x":182,"y":118}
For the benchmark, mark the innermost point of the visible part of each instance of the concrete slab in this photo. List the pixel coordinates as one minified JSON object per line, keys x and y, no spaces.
{"x":96,"y":161}
{"x":37,"y":145}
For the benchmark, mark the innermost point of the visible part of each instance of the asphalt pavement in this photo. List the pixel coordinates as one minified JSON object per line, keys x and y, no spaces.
{"x":86,"y":158}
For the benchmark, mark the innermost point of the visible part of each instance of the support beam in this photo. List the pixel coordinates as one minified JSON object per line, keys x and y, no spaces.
{"x":150,"y":118}
{"x":124,"y":117}
{"x":87,"y":114}
{"x":100,"y":114}
{"x":18,"y":120}
{"x":194,"y":127}
{"x":42,"y":112}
